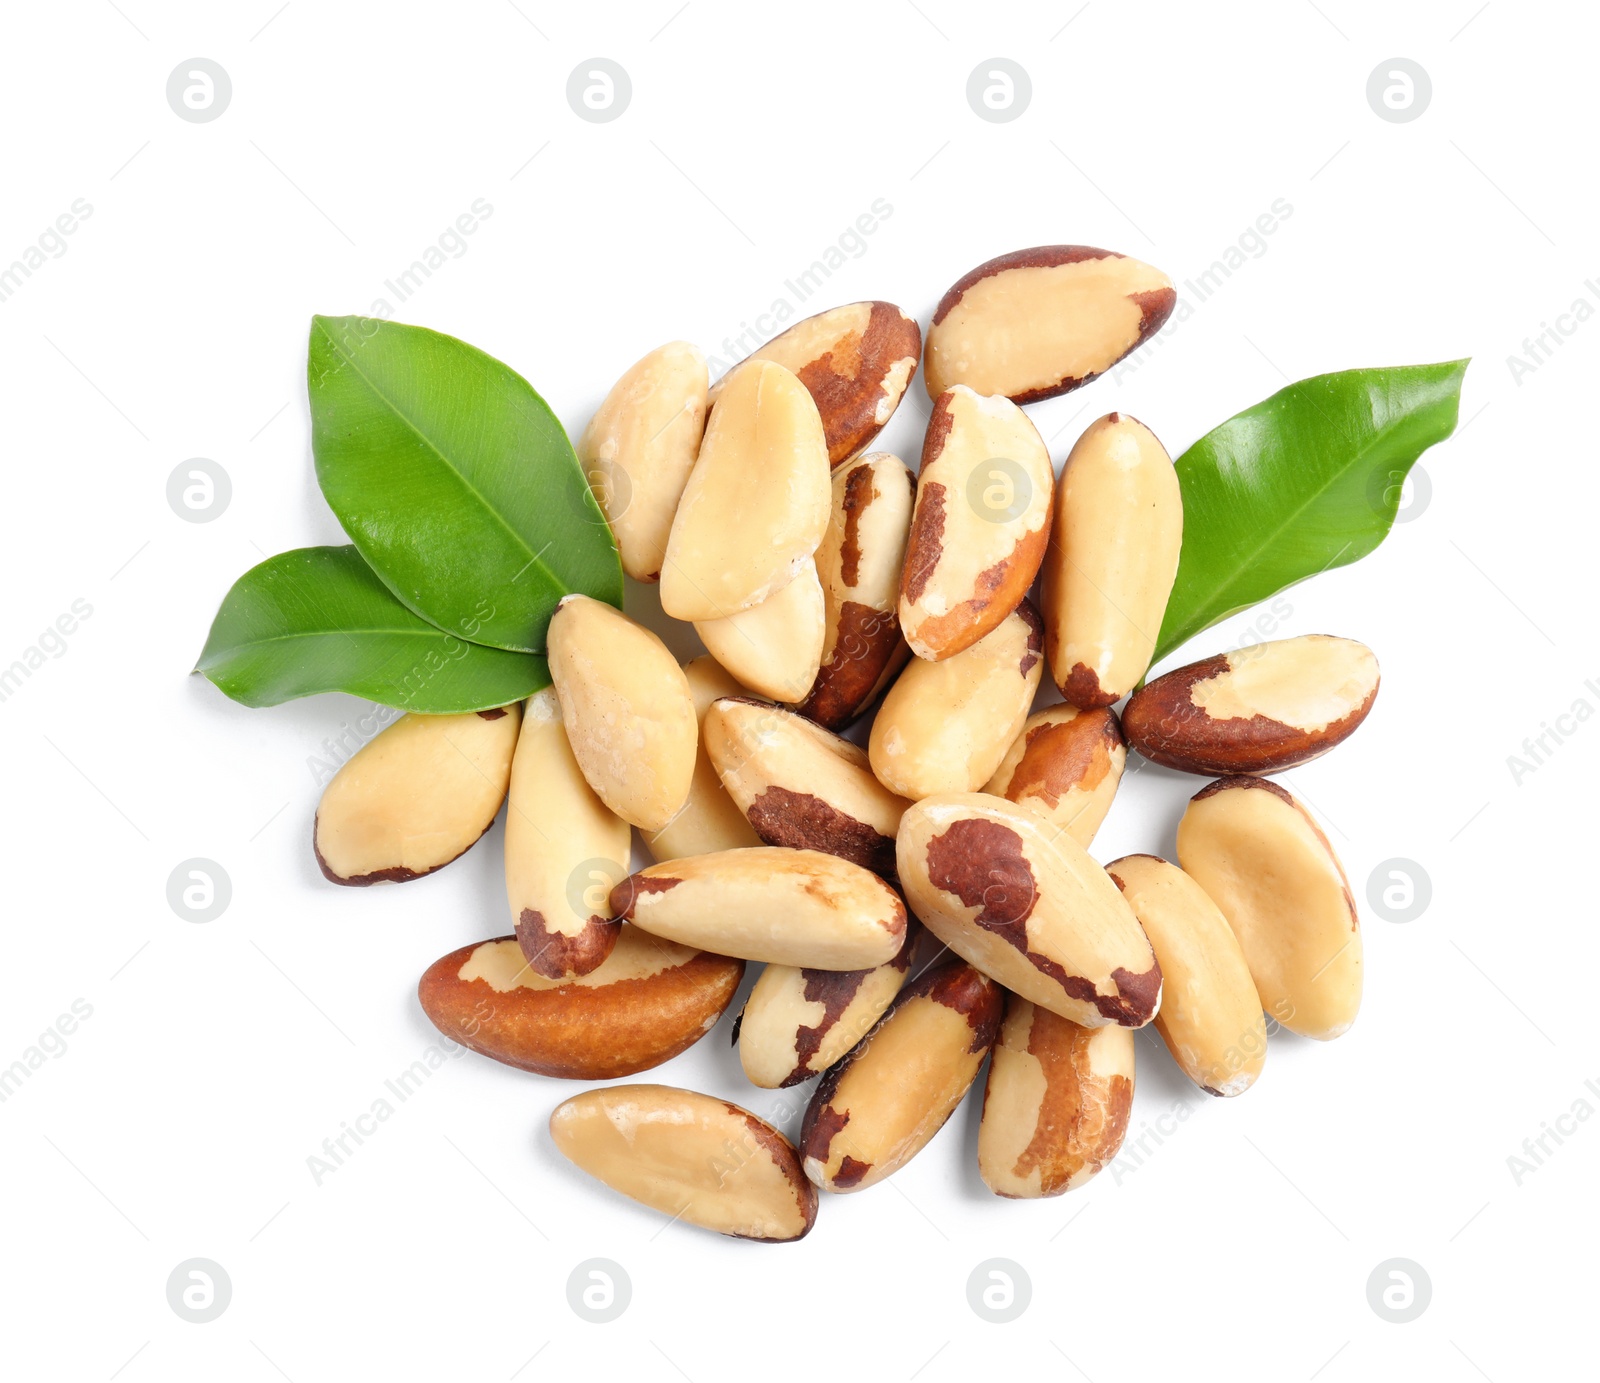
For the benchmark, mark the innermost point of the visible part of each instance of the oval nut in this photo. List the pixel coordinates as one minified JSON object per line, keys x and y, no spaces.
{"x":1065,"y":767}
{"x":775,"y":648}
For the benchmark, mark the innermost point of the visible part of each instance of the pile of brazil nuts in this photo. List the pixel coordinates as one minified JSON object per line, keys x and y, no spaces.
{"x":822,"y":577}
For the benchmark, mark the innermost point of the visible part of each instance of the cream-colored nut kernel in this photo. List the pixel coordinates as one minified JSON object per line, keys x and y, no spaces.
{"x":802,"y":786}
{"x":786,"y":907}
{"x":709,"y":820}
{"x":1022,"y":901}
{"x":1113,"y":557}
{"x":880,"y":1106}
{"x":1036,"y":323}
{"x":859,"y":563}
{"x":797,"y":1023}
{"x":641,"y":445}
{"x":1065,"y":766}
{"x":945,"y":727}
{"x":1210,"y":1015}
{"x":1267,"y":865}
{"x":649,"y":1000}
{"x":565,"y":850}
{"x":774,"y":648}
{"x":856,"y":361}
{"x":696,"y":1158}
{"x":1260,"y":709}
{"x":1056,"y":1104}
{"x":981,"y":522}
{"x":756,"y":505}
{"x":415,"y":796}
{"x":627,"y":710}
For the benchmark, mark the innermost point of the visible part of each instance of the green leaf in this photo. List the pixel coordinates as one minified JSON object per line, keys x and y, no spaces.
{"x":318,"y":619}
{"x":1306,"y":480}
{"x":455,"y":481}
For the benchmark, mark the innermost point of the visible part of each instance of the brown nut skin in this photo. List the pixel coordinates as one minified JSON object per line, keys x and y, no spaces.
{"x":1036,"y":323}
{"x":1266,"y":864}
{"x":647,"y":1002}
{"x":1260,"y":709}
{"x":419,"y":794}
{"x":856,"y":362}
{"x":1056,"y":1104}
{"x":859,"y":564}
{"x":696,"y":1158}
{"x":880,"y":1106}
{"x":1065,"y":766}
{"x":982,"y":519}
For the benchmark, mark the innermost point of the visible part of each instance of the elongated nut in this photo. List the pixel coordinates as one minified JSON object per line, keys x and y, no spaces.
{"x":1260,"y":709}
{"x":709,"y":820}
{"x":859,"y":563}
{"x":787,"y":907}
{"x":627,"y":709}
{"x":1056,"y":1104}
{"x":1267,"y":865}
{"x":641,"y":445}
{"x":416,"y":796}
{"x":981,"y":523}
{"x":880,"y":1106}
{"x":565,"y":849}
{"x":756,"y":504}
{"x":1210,"y":1015}
{"x":1064,"y":766}
{"x":856,"y":361}
{"x":1112,"y":560}
{"x":1036,"y":323}
{"x":1026,"y":905}
{"x":774,"y":648}
{"x":694,"y":1157}
{"x":945,"y":727}
{"x":797,"y":1023}
{"x":649,"y":1000}
{"x":801,"y":786}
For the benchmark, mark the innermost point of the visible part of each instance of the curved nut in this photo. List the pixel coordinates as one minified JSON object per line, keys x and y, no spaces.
{"x":1211,"y":1016}
{"x":565,"y":849}
{"x":1036,"y":323}
{"x":1260,"y":709}
{"x":647,"y":1002}
{"x":787,"y":907}
{"x":1112,"y":560}
{"x":945,"y":727}
{"x":1065,"y":767}
{"x":774,"y":648}
{"x":756,"y":504}
{"x":981,"y":523}
{"x":1028,"y":907}
{"x":690,"y":1156}
{"x":880,"y":1106}
{"x":1056,"y":1104}
{"x":626,"y":706}
{"x":639,"y":448}
{"x":1267,"y":865}
{"x":417,"y":795}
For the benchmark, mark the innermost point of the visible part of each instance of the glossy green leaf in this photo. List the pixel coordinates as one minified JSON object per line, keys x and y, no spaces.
{"x":1307,"y":480}
{"x":318,"y":619}
{"x":455,"y":481}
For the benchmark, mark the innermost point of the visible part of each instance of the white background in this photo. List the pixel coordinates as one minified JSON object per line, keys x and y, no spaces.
{"x":179,"y":1119}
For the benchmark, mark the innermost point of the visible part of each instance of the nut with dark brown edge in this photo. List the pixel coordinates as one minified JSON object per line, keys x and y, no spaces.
{"x":696,"y":1158}
{"x":981,"y":522}
{"x":1267,"y":865}
{"x":1024,"y":903}
{"x":801,"y":786}
{"x":775,"y":648}
{"x":1065,"y":766}
{"x":649,"y":1000}
{"x":1056,"y":1104}
{"x":416,"y":796}
{"x":1260,"y":709}
{"x":1035,"y":323}
{"x":881,"y":1105}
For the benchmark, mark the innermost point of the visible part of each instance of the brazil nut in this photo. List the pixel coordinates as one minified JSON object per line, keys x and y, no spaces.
{"x":1064,"y":766}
